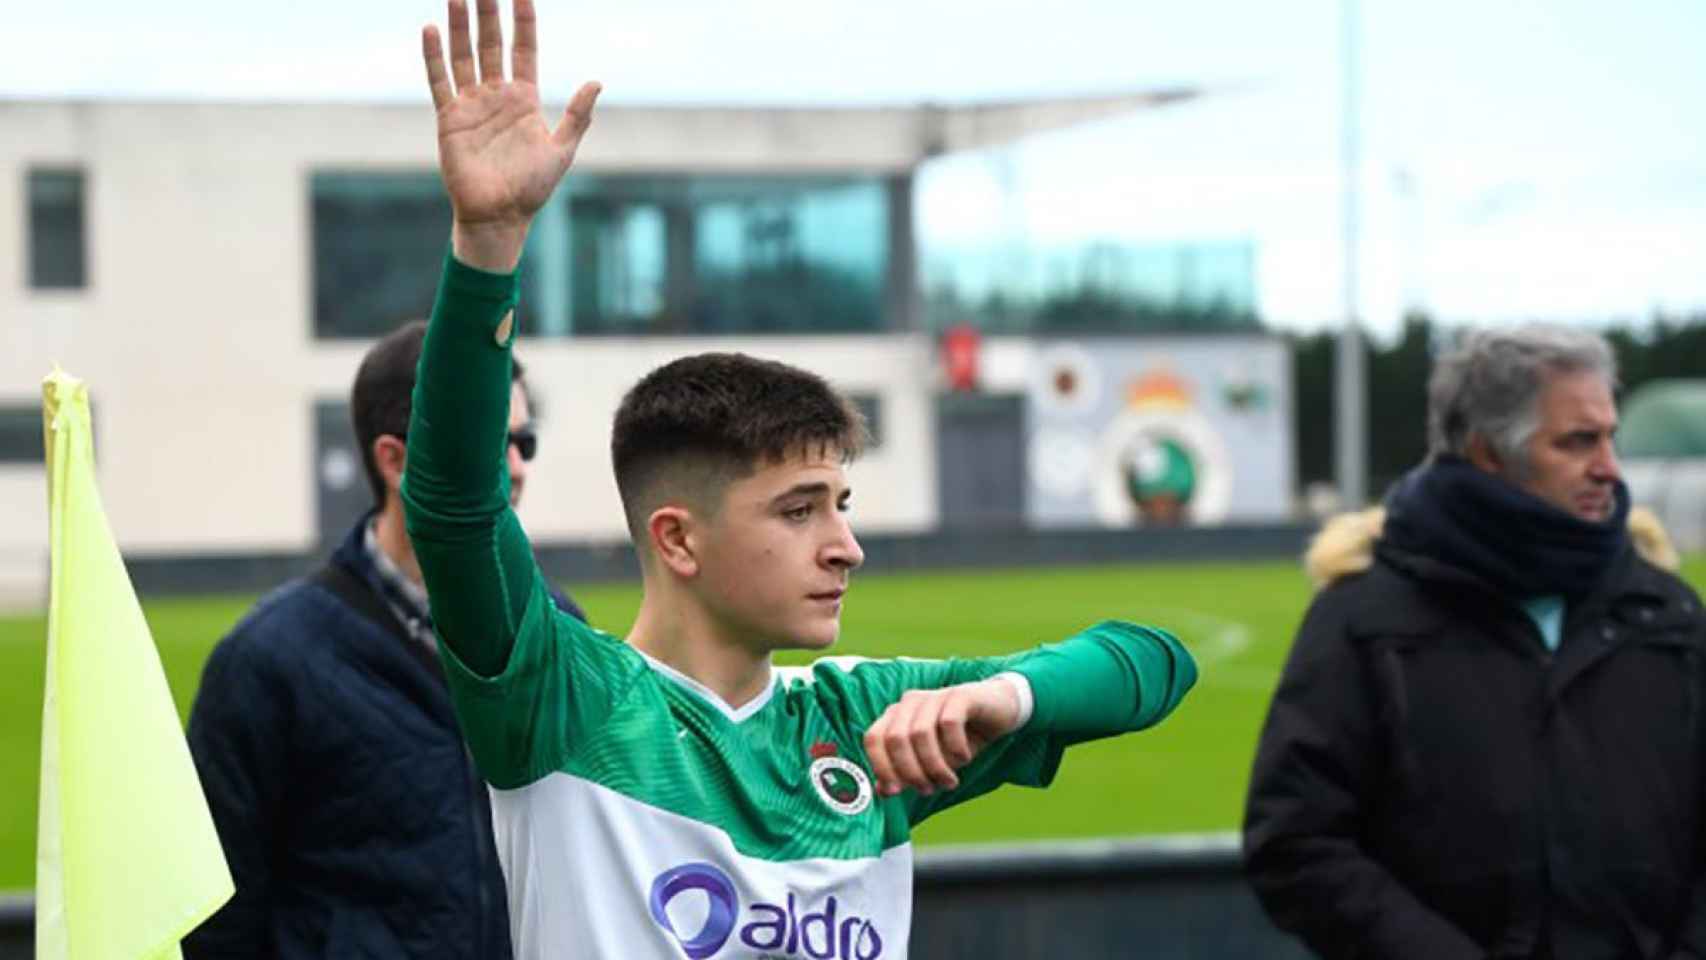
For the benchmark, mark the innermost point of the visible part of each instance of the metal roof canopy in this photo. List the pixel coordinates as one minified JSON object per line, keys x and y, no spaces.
{"x":880,"y":139}
{"x":627,"y":138}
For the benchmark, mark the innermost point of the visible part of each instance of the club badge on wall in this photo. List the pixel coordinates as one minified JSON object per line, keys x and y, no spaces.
{"x":1157,"y":431}
{"x":1159,"y":462}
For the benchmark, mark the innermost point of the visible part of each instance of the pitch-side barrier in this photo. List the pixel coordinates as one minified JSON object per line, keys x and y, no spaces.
{"x":1179,"y":897}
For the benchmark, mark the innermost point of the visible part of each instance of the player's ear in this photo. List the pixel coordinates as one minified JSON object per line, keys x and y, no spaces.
{"x":671,"y":531}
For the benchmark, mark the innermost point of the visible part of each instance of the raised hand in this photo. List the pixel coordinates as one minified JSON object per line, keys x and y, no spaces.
{"x":498,"y":158}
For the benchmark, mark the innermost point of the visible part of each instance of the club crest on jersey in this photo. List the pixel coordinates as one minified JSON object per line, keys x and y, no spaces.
{"x":840,"y":783}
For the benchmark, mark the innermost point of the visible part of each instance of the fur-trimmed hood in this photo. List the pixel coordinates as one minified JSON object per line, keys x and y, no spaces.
{"x":1345,"y":545}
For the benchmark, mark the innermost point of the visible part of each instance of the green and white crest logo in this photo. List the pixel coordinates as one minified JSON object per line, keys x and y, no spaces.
{"x":841,"y":784}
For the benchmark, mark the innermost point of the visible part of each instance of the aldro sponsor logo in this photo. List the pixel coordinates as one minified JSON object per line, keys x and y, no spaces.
{"x":792,"y":929}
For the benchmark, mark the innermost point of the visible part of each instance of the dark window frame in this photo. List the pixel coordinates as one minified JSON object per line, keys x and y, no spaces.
{"x":377,"y":235}
{"x":361,"y":290}
{"x":57,"y":233}
{"x":21,"y":440}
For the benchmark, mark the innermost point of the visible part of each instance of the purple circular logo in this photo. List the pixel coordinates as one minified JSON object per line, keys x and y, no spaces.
{"x":719,"y":923}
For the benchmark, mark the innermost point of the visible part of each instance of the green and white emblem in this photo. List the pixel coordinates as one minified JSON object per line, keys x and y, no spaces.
{"x":842,"y":784}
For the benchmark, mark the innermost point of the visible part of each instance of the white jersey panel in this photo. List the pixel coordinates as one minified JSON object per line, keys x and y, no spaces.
{"x":593,"y":873}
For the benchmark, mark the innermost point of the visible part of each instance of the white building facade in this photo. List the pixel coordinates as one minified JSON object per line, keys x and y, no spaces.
{"x":215,"y":272}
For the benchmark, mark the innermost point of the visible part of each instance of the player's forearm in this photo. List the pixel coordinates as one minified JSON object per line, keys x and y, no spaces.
{"x":473,"y":556}
{"x":460,"y":410}
{"x":1113,"y":678}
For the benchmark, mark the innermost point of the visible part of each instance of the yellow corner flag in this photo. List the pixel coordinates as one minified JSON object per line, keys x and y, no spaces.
{"x":127,"y":860}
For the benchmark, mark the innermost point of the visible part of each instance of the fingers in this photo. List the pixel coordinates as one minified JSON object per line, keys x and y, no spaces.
{"x":927,"y":744}
{"x":524,"y":56}
{"x":888,"y":748}
{"x":897,"y":740}
{"x":876,"y":751}
{"x":917,"y":742}
{"x":432,"y":51}
{"x":491,"y":43}
{"x":577,"y":117}
{"x":461,"y":47}
{"x":958,"y":749}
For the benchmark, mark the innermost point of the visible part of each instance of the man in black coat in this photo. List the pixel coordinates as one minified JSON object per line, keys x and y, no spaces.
{"x":1490,"y":737}
{"x":350,"y":813}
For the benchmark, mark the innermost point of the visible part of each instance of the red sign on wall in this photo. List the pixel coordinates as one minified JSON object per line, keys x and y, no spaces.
{"x":961,"y":346}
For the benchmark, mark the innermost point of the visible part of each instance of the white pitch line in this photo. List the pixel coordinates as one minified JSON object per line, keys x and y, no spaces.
{"x":1216,"y":642}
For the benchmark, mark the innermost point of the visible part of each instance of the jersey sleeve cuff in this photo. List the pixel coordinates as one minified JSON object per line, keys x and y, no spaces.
{"x":1022,"y":690}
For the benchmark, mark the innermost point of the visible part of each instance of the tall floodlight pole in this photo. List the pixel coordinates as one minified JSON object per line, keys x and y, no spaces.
{"x":1350,"y":389}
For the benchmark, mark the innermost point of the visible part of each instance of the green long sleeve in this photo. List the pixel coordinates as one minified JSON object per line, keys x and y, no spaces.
{"x":1112,"y":678}
{"x":475,"y":559}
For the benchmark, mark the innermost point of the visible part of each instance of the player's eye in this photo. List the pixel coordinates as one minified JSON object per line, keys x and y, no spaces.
{"x":798,"y":513}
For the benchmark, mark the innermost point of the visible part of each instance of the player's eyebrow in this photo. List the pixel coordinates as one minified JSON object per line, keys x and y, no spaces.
{"x":814,"y":489}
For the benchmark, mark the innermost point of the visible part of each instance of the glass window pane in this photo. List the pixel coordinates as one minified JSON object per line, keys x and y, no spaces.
{"x":619,"y":254}
{"x":21,"y":432}
{"x":379,"y":240}
{"x":708,"y":255}
{"x":20,"y":435}
{"x":1090,"y":286}
{"x":56,"y":229}
{"x":870,"y":406}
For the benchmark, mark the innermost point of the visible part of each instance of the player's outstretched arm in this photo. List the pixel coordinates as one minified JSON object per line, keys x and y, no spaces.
{"x":1112,"y":678}
{"x":500,"y":161}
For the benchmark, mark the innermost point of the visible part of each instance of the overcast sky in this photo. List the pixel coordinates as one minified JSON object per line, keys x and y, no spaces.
{"x":1519,"y":159}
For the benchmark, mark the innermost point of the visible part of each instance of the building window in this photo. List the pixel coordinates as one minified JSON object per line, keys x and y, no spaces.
{"x":21,"y":432}
{"x":1088,"y":285}
{"x":624,"y":255}
{"x":870,"y":405}
{"x":379,"y":242}
{"x":57,"y":245}
{"x":697,"y":255}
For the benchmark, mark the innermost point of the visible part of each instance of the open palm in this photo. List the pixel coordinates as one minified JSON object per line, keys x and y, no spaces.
{"x":499,"y":159}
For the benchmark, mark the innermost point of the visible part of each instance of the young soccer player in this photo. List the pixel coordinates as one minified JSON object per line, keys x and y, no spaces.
{"x":674,"y":795}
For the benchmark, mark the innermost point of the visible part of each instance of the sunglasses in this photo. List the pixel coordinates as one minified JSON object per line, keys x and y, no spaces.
{"x":525,"y":442}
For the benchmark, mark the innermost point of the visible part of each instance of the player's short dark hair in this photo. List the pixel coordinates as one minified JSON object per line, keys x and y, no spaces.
{"x":691,"y":427}
{"x":380,"y":399}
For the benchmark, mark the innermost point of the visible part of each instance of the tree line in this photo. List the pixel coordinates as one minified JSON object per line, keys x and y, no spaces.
{"x":1666,"y":348}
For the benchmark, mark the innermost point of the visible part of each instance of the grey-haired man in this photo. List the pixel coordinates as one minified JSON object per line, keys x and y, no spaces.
{"x":1490,"y":737}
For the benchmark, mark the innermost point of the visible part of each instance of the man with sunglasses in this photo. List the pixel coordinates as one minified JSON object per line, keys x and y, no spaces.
{"x":351,"y":816}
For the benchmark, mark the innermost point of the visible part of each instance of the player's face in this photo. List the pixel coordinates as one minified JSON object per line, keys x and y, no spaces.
{"x":778,"y":554}
{"x":1571,"y":461}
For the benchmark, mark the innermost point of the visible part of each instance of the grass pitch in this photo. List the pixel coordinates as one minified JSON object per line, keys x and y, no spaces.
{"x":1188,"y":774}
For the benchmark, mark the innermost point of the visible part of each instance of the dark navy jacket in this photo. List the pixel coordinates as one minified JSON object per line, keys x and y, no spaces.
{"x":351,"y":816}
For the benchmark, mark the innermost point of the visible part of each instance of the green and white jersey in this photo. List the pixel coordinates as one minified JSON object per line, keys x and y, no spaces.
{"x":636,"y":814}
